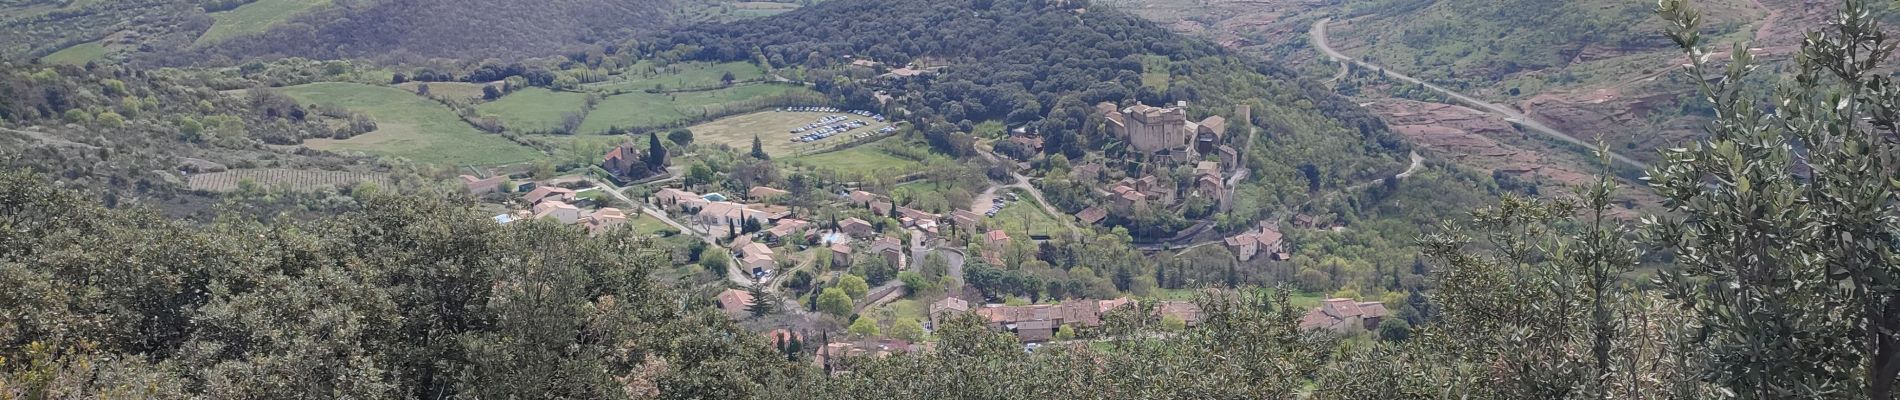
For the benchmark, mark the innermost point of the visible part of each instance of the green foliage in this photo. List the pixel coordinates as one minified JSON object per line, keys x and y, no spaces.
{"x":407,"y":297}
{"x":914,"y":282}
{"x":854,"y":285}
{"x":1065,"y":332}
{"x":835,"y":302}
{"x":907,"y":330}
{"x":865,"y":326}
{"x":1783,"y":219}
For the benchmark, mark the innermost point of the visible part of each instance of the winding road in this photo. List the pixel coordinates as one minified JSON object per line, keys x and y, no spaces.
{"x":1320,"y":42}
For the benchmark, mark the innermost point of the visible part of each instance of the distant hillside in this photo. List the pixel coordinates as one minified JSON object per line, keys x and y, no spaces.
{"x":469,"y":29}
{"x":222,"y":32}
{"x":1496,"y":38}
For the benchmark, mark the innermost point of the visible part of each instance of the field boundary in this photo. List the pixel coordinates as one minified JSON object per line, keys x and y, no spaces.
{"x":296,"y":179}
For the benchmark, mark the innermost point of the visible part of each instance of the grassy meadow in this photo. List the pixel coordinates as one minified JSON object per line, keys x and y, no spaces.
{"x":533,"y":109}
{"x":255,"y":17}
{"x":409,"y":127}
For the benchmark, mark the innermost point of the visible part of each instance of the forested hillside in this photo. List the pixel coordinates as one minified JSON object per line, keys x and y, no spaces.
{"x":1045,"y":65}
{"x":469,"y":30}
{"x":1493,"y":39}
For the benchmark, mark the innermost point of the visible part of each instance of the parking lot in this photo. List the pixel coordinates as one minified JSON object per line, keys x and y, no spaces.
{"x":854,"y":124}
{"x":774,"y":127}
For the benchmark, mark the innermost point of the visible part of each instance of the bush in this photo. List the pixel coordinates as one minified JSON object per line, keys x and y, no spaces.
{"x":865,"y":327}
{"x":914,"y":282}
{"x":835,"y":302}
{"x":680,"y":136}
{"x":908,"y":330}
{"x":854,"y":286}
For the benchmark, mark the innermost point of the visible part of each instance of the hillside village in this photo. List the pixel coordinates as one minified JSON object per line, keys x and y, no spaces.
{"x":780,"y":245}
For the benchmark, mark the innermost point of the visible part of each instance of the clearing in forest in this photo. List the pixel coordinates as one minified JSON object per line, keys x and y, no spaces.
{"x":652,"y":110}
{"x":255,"y":17}
{"x":645,"y":76}
{"x":774,"y":130}
{"x":409,"y":127}
{"x":866,"y":161}
{"x":78,"y":54}
{"x":533,"y":109}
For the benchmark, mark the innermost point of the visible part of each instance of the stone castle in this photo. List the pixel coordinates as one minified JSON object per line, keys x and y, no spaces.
{"x":1164,"y":133}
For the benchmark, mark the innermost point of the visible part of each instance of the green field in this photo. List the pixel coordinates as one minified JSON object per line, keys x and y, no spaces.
{"x":255,"y":18}
{"x":1025,"y":218}
{"x":774,"y":131}
{"x":862,"y":160}
{"x":533,"y":109}
{"x":409,"y":127}
{"x":640,"y":109}
{"x":642,"y":76}
{"x":1154,"y":72}
{"x":79,"y":54}
{"x":447,"y":90}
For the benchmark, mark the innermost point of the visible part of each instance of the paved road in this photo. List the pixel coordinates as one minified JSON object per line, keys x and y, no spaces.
{"x":734,"y":272}
{"x":1320,"y":41}
{"x":1022,"y":182}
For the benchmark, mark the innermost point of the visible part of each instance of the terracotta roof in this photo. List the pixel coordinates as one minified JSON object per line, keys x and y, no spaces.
{"x":1186,"y":311}
{"x":916,"y":214}
{"x":1105,"y":305}
{"x":887,"y":244}
{"x":862,"y":197}
{"x":997,"y":236}
{"x":950,"y":304}
{"x":761,"y":192}
{"x":1341,"y":314}
{"x":854,"y":225}
{"x":787,"y":227}
{"x":544,"y":191}
{"x":1217,"y":123}
{"x":734,"y":301}
{"x":841,"y":248}
{"x":756,"y":248}
{"x":1092,"y":215}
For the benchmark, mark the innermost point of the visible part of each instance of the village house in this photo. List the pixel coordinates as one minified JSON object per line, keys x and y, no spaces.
{"x":678,"y":200}
{"x":1186,"y":311}
{"x":832,"y":357}
{"x":756,"y":257}
{"x":1034,"y":323}
{"x":861,"y":198}
{"x":762,"y":193}
{"x":626,"y":161}
{"x":965,"y":219}
{"x":945,"y":308}
{"x":1091,"y":215}
{"x":1344,"y":316}
{"x":547,"y":192}
{"x":481,"y":186}
{"x":880,"y":208}
{"x":604,"y":219}
{"x":916,"y":216}
{"x":1229,"y":157}
{"x":733,"y":302}
{"x":720,"y":214}
{"x":857,"y":228}
{"x":840,"y":255}
{"x":1246,"y":246}
{"x":996,"y":239}
{"x":787,"y":228}
{"x":891,"y":249}
{"x":557,"y":210}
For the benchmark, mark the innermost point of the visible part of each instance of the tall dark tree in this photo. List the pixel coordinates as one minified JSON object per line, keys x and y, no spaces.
{"x":758,"y":149}
{"x":761,"y":304}
{"x":656,"y":153}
